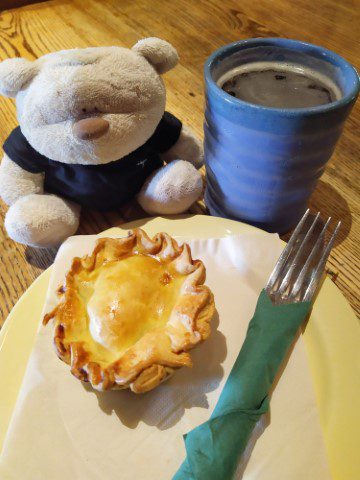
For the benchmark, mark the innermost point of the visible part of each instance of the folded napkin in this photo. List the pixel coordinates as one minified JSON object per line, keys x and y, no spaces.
{"x":61,"y":429}
{"x":214,"y":448}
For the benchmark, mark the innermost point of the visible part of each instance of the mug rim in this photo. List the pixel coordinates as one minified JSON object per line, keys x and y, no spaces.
{"x":297,"y":45}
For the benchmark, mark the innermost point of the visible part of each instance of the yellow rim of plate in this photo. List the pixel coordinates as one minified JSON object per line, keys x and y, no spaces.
{"x":331,"y":337}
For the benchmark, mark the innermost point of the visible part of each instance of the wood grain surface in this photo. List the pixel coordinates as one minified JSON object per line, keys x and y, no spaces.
{"x":196,"y":28}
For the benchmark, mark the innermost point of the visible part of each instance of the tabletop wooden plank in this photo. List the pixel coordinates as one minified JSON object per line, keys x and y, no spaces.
{"x":196,"y":29}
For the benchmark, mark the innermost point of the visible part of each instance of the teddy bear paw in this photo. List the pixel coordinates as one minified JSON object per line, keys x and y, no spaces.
{"x":42,"y":220}
{"x":171,"y":189}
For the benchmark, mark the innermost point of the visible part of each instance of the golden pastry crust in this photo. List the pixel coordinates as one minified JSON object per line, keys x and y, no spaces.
{"x":129,"y":312}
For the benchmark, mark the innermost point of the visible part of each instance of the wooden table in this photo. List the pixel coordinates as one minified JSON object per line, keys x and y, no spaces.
{"x":195,"y":28}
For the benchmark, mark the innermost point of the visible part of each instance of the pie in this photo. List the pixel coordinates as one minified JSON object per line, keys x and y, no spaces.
{"x":129,"y":312}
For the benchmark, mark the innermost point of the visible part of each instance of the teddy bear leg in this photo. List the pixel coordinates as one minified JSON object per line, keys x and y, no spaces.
{"x":171,"y":189}
{"x":42,"y":220}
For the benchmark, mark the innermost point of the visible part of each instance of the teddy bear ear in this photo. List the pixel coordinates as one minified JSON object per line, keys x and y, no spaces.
{"x":15,"y":73}
{"x":159,"y":53}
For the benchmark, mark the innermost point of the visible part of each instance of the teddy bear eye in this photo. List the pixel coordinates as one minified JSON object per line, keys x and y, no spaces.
{"x":84,"y":110}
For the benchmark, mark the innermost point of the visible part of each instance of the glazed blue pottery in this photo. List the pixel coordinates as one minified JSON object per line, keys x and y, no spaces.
{"x":263,"y":163}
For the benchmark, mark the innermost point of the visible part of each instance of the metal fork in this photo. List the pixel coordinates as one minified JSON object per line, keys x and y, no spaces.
{"x":298,"y":272}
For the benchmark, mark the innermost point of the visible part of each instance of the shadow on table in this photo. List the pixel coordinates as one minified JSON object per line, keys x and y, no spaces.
{"x":164,"y":406}
{"x":10,"y":4}
{"x":40,"y":257}
{"x":328,"y":201}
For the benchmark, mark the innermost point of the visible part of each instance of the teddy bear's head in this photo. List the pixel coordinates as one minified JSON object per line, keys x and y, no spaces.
{"x":92,"y":105}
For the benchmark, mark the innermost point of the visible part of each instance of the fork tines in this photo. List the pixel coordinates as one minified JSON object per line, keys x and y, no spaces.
{"x":299,"y":269}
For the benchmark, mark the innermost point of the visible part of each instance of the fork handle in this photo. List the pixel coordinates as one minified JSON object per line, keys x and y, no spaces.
{"x":270,"y":334}
{"x":213,"y":448}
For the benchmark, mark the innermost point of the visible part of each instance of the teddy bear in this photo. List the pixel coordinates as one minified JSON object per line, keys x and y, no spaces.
{"x":93,"y":132}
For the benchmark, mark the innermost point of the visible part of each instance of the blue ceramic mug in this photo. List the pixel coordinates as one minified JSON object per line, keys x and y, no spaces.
{"x":263,"y":163}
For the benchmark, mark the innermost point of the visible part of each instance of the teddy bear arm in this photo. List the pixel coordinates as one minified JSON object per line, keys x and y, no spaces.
{"x":15,"y":182}
{"x":188,"y":147}
{"x":172,"y":189}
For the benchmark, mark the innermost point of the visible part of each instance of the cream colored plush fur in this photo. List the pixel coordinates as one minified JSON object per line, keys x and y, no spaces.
{"x":121,"y":85}
{"x":172,"y":189}
{"x":39,"y":220}
{"x":16,"y":182}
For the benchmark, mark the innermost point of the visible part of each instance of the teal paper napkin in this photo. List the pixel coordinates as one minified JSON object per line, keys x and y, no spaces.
{"x":213,"y":448}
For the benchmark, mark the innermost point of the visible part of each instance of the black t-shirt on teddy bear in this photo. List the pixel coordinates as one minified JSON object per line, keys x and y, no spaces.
{"x":101,"y":187}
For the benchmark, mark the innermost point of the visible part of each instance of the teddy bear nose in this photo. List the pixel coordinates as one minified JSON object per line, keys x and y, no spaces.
{"x":90,"y":128}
